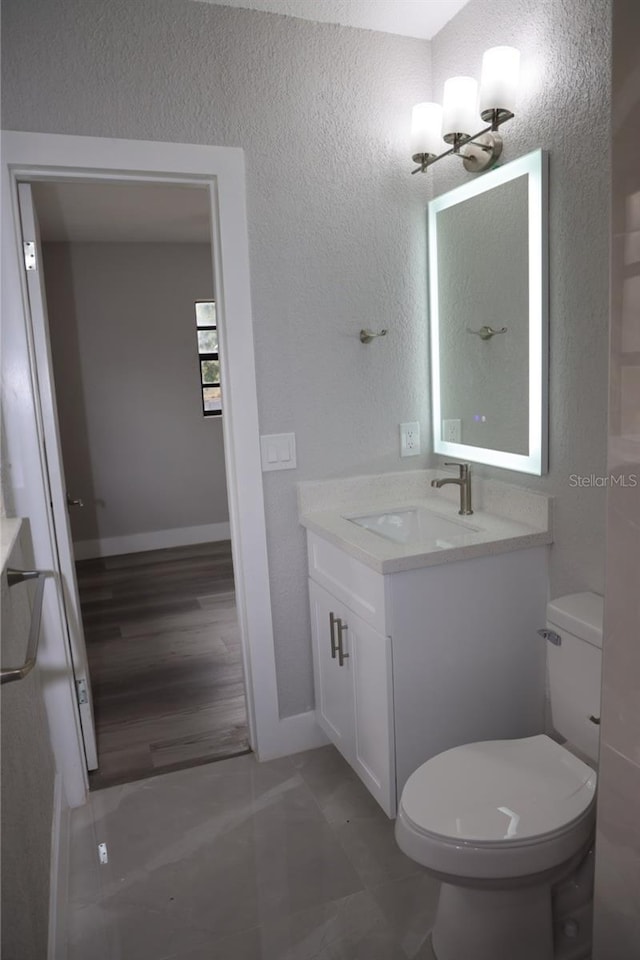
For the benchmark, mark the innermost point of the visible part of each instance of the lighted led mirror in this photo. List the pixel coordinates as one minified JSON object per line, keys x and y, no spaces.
{"x":488,"y":294}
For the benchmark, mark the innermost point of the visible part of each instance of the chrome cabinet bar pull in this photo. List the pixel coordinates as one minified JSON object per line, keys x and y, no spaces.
{"x":19,"y":576}
{"x":334,"y":646}
{"x":342,"y":656}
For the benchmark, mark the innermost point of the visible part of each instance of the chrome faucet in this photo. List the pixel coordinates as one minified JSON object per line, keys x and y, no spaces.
{"x":463,"y":481}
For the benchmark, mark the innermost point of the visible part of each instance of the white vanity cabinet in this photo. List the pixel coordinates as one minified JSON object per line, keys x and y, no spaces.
{"x":352,"y":667}
{"x":432,"y":657}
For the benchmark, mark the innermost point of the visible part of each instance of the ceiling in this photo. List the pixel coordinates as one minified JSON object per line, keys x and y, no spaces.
{"x":408,"y":18}
{"x":122,"y":213}
{"x":150,"y":213}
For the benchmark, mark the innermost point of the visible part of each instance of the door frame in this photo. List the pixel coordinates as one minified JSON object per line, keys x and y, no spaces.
{"x":34,"y":156}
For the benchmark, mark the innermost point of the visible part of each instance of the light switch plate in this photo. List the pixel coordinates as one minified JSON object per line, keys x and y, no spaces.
{"x":410,"y":439}
{"x":278,"y":451}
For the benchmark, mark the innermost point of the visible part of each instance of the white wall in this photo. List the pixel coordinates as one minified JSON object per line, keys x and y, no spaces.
{"x":136,"y":446}
{"x":336,"y":223}
{"x":564,"y":109}
{"x":617,"y":906}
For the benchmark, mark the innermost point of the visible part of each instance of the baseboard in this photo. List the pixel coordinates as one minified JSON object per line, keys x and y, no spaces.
{"x":293,"y":735}
{"x":59,"y":875}
{"x":154,"y":540}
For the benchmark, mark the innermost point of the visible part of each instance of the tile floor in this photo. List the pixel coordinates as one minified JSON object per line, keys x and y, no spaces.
{"x":237,"y":860}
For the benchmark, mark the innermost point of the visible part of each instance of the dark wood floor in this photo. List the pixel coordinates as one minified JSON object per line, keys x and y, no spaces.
{"x":165,"y":660}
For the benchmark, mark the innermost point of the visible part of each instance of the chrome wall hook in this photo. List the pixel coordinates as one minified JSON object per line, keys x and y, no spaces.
{"x":366,"y":336}
{"x":485,"y":333}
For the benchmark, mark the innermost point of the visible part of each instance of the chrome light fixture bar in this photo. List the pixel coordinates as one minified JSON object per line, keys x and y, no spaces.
{"x":433,"y":125}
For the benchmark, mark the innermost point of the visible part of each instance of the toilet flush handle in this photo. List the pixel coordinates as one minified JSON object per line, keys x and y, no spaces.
{"x":595,"y":720}
{"x":551,"y":636}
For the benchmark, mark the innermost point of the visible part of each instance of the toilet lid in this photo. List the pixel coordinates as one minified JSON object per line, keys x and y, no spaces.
{"x":499,"y":790}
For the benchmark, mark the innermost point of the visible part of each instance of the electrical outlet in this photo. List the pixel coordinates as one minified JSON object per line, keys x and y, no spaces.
{"x":452,"y":431}
{"x":410,"y":439}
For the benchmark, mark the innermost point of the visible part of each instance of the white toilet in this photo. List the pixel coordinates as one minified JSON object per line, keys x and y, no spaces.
{"x":503,"y":823}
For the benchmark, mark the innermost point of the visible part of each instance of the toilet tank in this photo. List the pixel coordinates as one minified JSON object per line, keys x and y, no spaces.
{"x":574,"y":669}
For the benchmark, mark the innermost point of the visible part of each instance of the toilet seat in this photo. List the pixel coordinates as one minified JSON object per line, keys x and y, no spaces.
{"x":499,"y":808}
{"x":499,"y":790}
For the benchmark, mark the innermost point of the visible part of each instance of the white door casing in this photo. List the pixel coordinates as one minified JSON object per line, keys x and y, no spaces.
{"x":55,"y":478}
{"x":31,"y":156}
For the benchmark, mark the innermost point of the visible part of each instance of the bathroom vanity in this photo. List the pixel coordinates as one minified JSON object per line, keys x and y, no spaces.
{"x":423,"y":622}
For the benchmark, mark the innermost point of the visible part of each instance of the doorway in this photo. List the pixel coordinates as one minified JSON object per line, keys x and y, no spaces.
{"x":33,"y":475}
{"x":131,"y":311}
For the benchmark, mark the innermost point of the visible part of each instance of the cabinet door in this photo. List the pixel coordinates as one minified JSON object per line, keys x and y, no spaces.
{"x":333,"y":683}
{"x":374,"y":740}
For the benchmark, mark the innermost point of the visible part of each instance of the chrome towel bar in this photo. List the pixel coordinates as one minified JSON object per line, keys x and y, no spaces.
{"x":19,"y":576}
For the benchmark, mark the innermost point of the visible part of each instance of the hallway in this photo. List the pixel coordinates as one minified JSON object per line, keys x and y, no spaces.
{"x":165,"y":660}
{"x":237,"y":860}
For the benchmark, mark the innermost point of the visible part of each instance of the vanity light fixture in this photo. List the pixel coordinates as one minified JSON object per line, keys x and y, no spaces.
{"x":433,"y":126}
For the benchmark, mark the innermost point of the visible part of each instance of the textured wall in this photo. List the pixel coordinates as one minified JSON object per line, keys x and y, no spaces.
{"x":564,"y":109}
{"x":337,"y":226}
{"x":617,"y":908}
{"x":136,"y":446}
{"x":28,"y":775}
{"x":336,"y":223}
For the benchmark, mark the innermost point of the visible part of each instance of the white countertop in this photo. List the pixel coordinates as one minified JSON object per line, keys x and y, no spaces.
{"x":523,"y":520}
{"x":9,"y":531}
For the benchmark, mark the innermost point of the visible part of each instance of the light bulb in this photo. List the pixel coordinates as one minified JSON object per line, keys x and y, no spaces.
{"x":499,"y":83}
{"x":460,"y":108}
{"x":426,"y":131}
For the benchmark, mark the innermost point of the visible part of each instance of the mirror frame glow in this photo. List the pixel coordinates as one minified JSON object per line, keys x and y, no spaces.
{"x":535,"y":166}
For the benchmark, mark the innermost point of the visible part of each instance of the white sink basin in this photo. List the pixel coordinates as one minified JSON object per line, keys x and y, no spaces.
{"x":417,"y":525}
